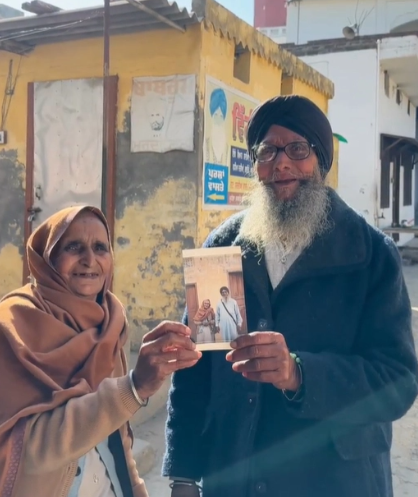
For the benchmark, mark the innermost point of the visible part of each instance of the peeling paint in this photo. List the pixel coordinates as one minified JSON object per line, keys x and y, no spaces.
{"x":149,"y":274}
{"x":139,"y":175}
{"x":121,"y":240}
{"x":12,"y":199}
{"x":10,"y":268}
{"x":12,"y":208}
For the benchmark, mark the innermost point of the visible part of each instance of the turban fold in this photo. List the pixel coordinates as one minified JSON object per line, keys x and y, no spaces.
{"x":299,"y":115}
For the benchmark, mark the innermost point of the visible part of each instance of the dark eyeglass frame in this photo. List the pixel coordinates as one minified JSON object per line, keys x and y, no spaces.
{"x":284,"y":149}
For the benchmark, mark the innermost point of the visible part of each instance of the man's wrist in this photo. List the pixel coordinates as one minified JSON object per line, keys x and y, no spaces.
{"x":294,"y":393}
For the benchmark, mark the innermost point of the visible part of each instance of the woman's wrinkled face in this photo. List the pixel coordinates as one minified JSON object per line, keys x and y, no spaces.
{"x":206,"y":304}
{"x":82,"y":257}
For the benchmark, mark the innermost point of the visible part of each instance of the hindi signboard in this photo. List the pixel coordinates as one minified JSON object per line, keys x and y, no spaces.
{"x":227,"y":167}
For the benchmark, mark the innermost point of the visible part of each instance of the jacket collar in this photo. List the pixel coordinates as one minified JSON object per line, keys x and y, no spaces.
{"x":345,"y":247}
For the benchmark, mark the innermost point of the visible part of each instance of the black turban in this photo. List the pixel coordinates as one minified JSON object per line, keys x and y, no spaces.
{"x":301,"y":116}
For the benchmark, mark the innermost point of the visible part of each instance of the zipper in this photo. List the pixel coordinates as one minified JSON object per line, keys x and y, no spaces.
{"x":69,"y":478}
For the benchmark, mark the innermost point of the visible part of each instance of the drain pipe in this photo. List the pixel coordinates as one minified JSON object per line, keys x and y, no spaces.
{"x":377,"y":164}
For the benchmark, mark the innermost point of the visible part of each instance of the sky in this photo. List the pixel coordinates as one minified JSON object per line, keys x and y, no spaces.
{"x":242,"y":8}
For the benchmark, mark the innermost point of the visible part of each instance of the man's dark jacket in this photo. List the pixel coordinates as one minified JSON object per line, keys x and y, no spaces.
{"x":344,"y":309}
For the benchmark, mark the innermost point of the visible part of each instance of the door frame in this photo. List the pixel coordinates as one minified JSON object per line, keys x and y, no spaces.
{"x":111,"y":89}
{"x":396,"y":191}
{"x":241,"y":278}
{"x":190,"y":317}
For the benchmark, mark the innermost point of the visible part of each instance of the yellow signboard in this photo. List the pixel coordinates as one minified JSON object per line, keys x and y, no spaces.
{"x":227,"y":167}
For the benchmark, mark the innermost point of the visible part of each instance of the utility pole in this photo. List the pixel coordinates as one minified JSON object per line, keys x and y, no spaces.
{"x":105,"y":140}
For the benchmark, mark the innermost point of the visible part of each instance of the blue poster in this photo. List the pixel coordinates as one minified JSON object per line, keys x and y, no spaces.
{"x":241,"y":164}
{"x":216,"y":181}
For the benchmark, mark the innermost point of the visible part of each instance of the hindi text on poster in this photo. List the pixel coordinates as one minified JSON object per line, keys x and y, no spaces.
{"x":227,"y":112}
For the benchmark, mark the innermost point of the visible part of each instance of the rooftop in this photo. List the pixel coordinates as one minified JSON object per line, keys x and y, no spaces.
{"x":334,"y":45}
{"x":52,"y":25}
{"x":21,"y":34}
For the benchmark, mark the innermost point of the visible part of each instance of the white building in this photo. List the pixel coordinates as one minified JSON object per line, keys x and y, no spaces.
{"x":310,"y":20}
{"x":277,"y":34}
{"x":374,"y":108}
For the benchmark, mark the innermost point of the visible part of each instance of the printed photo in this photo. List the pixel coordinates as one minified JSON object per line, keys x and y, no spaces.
{"x":215,"y":296}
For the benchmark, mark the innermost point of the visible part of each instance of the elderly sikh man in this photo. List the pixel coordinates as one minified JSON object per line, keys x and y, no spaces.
{"x":303,"y":405}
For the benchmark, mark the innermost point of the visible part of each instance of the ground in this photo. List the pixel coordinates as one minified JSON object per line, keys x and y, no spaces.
{"x":405,"y":444}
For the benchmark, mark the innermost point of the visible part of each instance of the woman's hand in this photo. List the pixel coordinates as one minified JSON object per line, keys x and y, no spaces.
{"x":164,"y":350}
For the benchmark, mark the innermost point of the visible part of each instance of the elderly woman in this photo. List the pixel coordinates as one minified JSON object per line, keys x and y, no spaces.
{"x":65,"y":394}
{"x":205,"y":322}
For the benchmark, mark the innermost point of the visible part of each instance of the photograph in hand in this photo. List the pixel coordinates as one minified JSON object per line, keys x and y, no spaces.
{"x":215,"y":296}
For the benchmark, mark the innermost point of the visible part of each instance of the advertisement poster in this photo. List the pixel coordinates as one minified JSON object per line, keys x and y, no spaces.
{"x":215,"y":296}
{"x":162,"y":113}
{"x":227,"y":167}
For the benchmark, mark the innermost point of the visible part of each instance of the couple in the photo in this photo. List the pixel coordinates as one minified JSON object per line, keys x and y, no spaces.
{"x":227,"y":320}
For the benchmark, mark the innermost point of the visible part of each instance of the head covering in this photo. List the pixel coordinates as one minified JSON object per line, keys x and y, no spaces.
{"x":301,"y":116}
{"x":203,"y":313}
{"x":54,"y":345}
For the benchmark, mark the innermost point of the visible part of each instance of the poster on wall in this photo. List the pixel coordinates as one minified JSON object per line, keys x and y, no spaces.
{"x":227,"y":167}
{"x":162,"y":113}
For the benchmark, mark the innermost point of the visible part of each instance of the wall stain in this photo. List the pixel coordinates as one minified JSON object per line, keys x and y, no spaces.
{"x":121,"y":240}
{"x":156,"y":211}
{"x":139,"y":175}
{"x":12,"y":199}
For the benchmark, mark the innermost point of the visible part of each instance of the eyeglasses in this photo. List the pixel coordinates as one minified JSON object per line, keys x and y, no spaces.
{"x":294,"y":150}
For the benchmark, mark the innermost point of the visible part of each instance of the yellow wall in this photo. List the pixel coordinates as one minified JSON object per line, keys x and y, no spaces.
{"x":332,"y":178}
{"x":211,"y":274}
{"x":148,"y":277}
{"x":155,"y":226}
{"x":305,"y":90}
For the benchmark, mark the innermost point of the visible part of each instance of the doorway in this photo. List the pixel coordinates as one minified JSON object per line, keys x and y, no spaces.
{"x":236,"y":288}
{"x":64,"y":163}
{"x":192,"y":300}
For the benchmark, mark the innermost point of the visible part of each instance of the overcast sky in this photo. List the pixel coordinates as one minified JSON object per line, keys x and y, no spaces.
{"x":242,"y":8}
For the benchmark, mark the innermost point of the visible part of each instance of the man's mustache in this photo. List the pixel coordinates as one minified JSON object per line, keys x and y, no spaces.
{"x":288,"y":176}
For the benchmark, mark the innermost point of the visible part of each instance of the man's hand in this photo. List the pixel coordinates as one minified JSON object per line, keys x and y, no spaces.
{"x":165,"y":349}
{"x":264,"y":357}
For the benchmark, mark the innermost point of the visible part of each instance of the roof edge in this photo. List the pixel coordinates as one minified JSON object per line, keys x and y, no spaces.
{"x":336,"y":45}
{"x":234,"y":28}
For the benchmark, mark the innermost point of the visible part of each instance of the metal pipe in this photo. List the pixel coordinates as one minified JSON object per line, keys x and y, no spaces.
{"x":106,"y":67}
{"x":377,"y":162}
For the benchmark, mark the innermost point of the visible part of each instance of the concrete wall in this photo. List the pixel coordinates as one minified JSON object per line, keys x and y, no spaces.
{"x":322,"y":19}
{"x":395,"y":120}
{"x":359,"y":103}
{"x":352,"y":113}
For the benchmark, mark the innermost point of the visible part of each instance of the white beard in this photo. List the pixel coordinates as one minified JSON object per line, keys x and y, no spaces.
{"x":293,"y":224}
